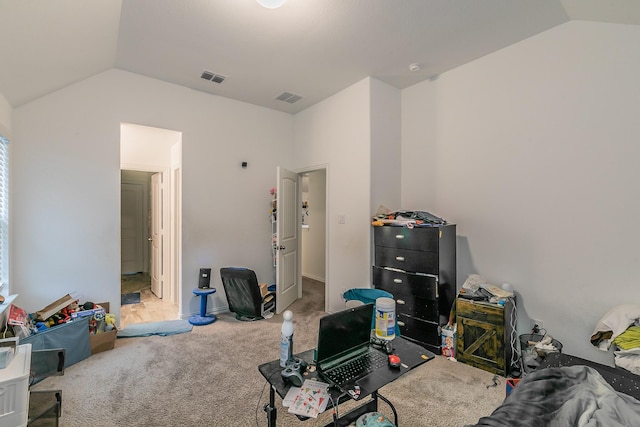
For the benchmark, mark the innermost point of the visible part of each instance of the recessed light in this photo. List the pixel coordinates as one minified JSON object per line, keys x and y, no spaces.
{"x":414,"y":67}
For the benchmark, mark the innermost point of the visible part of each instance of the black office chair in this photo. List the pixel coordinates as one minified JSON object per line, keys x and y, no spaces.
{"x":244,"y":295}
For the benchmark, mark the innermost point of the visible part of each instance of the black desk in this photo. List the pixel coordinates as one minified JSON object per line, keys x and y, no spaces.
{"x":411,"y":355}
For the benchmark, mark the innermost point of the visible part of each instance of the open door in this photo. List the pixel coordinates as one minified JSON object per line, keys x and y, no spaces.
{"x":157,"y":235}
{"x":288,"y":275}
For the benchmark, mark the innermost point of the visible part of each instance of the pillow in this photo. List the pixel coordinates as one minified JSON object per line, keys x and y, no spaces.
{"x":616,"y":320}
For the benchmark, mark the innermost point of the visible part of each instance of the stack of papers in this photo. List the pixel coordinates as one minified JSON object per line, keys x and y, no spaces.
{"x":496,"y":291}
{"x":309,"y":400}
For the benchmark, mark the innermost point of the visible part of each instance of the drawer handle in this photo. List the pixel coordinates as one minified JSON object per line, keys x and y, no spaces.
{"x":399,"y":236}
{"x":397,"y":280}
{"x":399,"y":258}
{"x":400,"y":323}
{"x":401,"y":302}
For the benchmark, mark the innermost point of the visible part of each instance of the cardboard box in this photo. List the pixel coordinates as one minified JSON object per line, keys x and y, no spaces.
{"x":54,"y":307}
{"x":103,"y":341}
{"x":94,"y":312}
{"x":263,"y":289}
{"x":449,"y":337}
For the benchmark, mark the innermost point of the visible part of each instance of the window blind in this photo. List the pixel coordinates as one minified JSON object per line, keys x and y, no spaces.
{"x":4,"y":211}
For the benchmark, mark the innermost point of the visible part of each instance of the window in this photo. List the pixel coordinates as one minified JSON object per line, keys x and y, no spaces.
{"x":4,"y":212}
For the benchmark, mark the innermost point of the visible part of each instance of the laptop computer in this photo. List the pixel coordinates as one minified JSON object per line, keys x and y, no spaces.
{"x":343,"y":338}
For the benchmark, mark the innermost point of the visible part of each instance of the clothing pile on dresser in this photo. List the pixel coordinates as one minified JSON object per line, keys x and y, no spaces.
{"x":620,"y":327}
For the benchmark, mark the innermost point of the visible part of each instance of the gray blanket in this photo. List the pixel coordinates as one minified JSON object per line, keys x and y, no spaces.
{"x":567,"y":396}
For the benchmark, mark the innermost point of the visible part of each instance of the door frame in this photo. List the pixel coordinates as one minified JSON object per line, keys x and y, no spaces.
{"x":300,"y":172}
{"x":168,"y":247}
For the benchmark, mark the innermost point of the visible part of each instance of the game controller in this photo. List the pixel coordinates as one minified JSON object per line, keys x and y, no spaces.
{"x":293,"y":370}
{"x":384,"y":345}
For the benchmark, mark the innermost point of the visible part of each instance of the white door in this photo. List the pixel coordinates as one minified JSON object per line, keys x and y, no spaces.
{"x":132,"y":228}
{"x":157,"y":234}
{"x":288,"y":275}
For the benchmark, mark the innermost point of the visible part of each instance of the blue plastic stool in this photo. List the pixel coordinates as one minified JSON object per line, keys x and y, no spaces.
{"x":203,"y":318}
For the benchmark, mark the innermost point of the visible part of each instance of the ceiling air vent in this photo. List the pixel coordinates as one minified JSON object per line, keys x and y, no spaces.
{"x":288,"y":97}
{"x":213,"y":77}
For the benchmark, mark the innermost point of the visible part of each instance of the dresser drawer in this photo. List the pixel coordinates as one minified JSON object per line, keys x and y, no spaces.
{"x":480,"y":312}
{"x":404,"y":284}
{"x":419,"y":330}
{"x":407,"y":260}
{"x":419,"y":239}
{"x":420,"y":308}
{"x":415,"y":295}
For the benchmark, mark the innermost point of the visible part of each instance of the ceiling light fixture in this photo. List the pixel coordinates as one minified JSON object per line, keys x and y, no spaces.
{"x":414,"y":67}
{"x":271,"y":4}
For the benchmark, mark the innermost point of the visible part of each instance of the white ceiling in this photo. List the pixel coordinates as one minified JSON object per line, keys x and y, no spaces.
{"x":312,"y":48}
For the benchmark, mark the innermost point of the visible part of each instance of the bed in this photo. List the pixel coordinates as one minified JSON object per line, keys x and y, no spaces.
{"x":569,"y":391}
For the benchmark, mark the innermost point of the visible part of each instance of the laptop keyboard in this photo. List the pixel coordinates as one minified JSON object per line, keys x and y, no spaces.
{"x":357,"y":368}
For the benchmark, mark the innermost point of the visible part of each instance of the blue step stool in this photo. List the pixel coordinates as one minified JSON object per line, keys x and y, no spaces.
{"x":203,"y":318}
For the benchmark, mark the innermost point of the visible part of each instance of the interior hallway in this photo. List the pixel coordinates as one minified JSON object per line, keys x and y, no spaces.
{"x":150,"y":308}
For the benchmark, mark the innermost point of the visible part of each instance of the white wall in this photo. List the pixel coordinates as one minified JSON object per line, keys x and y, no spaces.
{"x":353,"y":132}
{"x":66,"y":192}
{"x":336,"y":132}
{"x":147,"y":148}
{"x":534,"y":154}
{"x":385,"y":147}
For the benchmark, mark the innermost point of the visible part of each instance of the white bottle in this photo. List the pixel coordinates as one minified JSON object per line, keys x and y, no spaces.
{"x":286,"y":338}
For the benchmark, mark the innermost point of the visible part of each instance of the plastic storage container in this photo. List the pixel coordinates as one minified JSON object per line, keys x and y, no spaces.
{"x":385,"y":318}
{"x":14,"y":388}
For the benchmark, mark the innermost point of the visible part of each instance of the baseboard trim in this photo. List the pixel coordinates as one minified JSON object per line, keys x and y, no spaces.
{"x":312,"y":277}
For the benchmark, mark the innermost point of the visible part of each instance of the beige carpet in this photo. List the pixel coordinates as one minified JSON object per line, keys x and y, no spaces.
{"x":209,"y":377}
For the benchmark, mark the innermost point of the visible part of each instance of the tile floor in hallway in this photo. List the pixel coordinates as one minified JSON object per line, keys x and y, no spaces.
{"x":149,"y":309}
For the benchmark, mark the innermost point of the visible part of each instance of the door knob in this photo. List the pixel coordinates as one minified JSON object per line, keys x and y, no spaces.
{"x":280,"y":248}
{"x":150,"y":239}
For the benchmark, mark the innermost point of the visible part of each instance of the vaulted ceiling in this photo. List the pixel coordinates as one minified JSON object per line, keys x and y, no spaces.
{"x":310,"y":49}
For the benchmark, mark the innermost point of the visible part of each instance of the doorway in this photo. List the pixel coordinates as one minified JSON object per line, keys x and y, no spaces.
{"x":313,"y":187}
{"x":150,"y":216}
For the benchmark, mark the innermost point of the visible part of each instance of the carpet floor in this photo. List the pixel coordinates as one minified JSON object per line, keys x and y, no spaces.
{"x":209,"y":377}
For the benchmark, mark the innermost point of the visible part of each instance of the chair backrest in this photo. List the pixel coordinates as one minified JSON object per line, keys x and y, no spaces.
{"x":242,"y":290}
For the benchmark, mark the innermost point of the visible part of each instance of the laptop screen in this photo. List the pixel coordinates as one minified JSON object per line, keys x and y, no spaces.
{"x":344,"y":331}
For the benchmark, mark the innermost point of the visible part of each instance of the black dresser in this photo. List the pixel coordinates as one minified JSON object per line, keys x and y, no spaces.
{"x":418,"y":267}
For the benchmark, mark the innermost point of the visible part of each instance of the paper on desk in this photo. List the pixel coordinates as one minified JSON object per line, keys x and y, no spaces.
{"x":311,"y":400}
{"x":290,"y":397}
